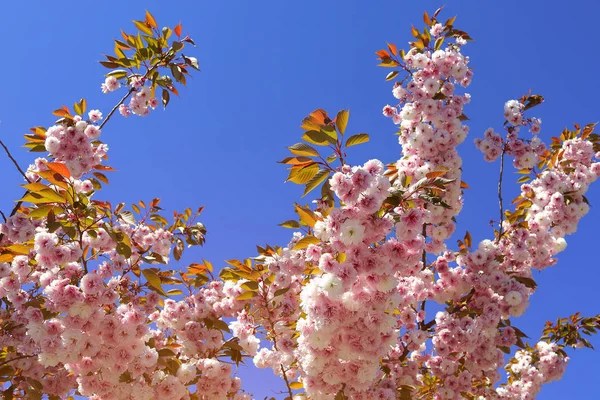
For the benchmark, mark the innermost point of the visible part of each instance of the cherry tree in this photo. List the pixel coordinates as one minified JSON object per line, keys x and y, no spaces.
{"x":367,"y":300}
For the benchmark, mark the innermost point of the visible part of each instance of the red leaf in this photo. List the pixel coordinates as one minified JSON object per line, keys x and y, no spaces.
{"x":177,"y":30}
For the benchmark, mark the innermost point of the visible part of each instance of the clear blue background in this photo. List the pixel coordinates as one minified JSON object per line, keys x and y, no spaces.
{"x":266,"y":65}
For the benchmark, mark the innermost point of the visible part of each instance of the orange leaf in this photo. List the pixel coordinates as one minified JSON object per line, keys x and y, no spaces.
{"x":174,"y":90}
{"x":59,"y":168}
{"x":440,"y":171}
{"x":392,"y":48}
{"x":177,"y":30}
{"x":383,"y":54}
{"x":150,"y":21}
{"x":103,"y":167}
{"x":195,"y":269}
{"x":60,"y":112}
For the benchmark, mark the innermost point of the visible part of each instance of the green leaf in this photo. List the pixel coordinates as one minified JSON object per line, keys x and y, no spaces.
{"x":391,"y":75}
{"x":109,"y":64}
{"x":295,"y":160}
{"x":316,"y":181}
{"x":303,"y":149}
{"x":247,"y":295}
{"x":290,"y":224}
{"x":357,"y":139}
{"x":341,"y":121}
{"x":41,"y":211}
{"x":153,"y":281}
{"x":128,"y":217}
{"x":142,"y":27}
{"x":251,"y":286}
{"x":43,"y":196}
{"x":438,"y":43}
{"x":280,"y":292}
{"x":177,"y":46}
{"x":331,"y":158}
{"x":165,"y":352}
{"x":530,"y":283}
{"x":330,"y":132}
{"x":305,"y":242}
{"x":123,"y":250}
{"x":118,"y":73}
{"x":165,"y":97}
{"x":317,"y":137}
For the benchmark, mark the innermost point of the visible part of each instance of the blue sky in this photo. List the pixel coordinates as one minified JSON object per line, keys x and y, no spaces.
{"x":266,"y":65}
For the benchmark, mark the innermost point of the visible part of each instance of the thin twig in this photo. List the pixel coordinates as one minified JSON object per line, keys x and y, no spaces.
{"x":117,"y":106}
{"x":14,"y":161}
{"x":3,"y":216}
{"x":500,"y":193}
{"x":132,"y":89}
{"x":287,"y":382}
{"x":15,"y":359}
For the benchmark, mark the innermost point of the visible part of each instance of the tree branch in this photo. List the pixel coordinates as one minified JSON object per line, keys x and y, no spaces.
{"x":500,"y":192}
{"x":131,"y":90}
{"x":287,"y":382}
{"x":14,"y":161}
{"x":3,"y":216}
{"x":15,"y":359}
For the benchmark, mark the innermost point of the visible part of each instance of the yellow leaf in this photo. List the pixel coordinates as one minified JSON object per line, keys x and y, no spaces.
{"x":357,"y":139}
{"x":305,"y":242}
{"x":208,"y":265}
{"x":296,"y":385}
{"x":391,"y":75}
{"x":153,"y":280}
{"x":35,"y":187}
{"x":246,"y":296}
{"x":19,"y":249}
{"x":307,"y":217}
{"x":41,"y":211}
{"x":6,"y":257}
{"x":317,"y":137}
{"x":342,"y":120}
{"x":43,"y":196}
{"x":303,"y":149}
{"x":303,"y":174}
{"x":316,"y":181}
{"x":142,"y":27}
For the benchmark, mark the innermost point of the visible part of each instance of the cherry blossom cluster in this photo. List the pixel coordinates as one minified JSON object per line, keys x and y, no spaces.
{"x":74,"y":145}
{"x":142,"y":99}
{"x":141,"y":102}
{"x":365,"y":306}
{"x":429,"y":115}
{"x":342,"y":308}
{"x":88,"y":338}
{"x":99,"y":331}
{"x":550,"y":366}
{"x":525,"y":152}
